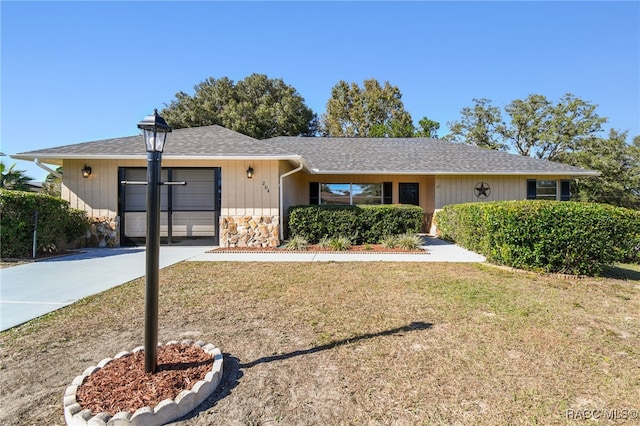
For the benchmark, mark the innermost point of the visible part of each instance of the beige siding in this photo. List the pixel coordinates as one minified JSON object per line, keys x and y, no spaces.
{"x":98,"y":194}
{"x":460,"y":189}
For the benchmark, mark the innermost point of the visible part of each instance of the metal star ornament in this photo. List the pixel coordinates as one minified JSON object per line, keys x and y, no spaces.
{"x":482,"y":190}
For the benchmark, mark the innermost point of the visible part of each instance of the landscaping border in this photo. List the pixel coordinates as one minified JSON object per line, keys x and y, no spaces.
{"x":166,"y":411}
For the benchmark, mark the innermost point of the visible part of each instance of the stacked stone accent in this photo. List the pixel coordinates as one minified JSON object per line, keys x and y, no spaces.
{"x":249,"y":231}
{"x":104,"y":232}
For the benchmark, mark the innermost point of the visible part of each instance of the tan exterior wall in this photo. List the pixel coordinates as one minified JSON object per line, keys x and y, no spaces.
{"x":98,"y":194}
{"x":460,"y":189}
{"x":296,"y":188}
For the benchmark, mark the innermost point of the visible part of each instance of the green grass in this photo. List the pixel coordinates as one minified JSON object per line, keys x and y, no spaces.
{"x":357,"y":343}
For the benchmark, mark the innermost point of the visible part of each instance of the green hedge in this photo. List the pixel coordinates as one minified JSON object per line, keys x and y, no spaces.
{"x":548,"y":236}
{"x":57,"y":223}
{"x":366,"y":224}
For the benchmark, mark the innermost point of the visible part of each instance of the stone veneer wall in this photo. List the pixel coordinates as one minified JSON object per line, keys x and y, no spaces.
{"x":249,"y":231}
{"x":103,"y":232}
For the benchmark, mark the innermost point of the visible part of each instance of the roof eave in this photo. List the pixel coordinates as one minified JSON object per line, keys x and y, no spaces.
{"x":457,"y":173}
{"x":58,"y":157}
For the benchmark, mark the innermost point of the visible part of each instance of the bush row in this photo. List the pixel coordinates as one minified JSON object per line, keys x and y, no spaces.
{"x":57,"y":223}
{"x":366,"y":224}
{"x":548,"y":236}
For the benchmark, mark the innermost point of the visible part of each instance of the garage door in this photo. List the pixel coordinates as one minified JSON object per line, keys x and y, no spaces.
{"x":188,"y":211}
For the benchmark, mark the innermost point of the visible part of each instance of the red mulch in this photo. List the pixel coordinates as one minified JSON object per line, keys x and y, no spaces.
{"x":122,"y":384}
{"x":367,"y":248}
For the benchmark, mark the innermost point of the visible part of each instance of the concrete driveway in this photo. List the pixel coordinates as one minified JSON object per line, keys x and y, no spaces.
{"x":34,"y":289}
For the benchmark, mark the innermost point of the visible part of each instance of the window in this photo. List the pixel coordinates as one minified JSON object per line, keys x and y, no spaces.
{"x":548,"y":190}
{"x":349,"y":193}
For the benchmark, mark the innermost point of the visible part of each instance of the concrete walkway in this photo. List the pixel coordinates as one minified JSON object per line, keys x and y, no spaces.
{"x":437,"y":251}
{"x":30,"y":290}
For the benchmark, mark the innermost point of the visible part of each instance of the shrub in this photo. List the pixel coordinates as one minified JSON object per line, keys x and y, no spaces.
{"x":57,"y":223}
{"x":339,"y":243}
{"x":549,"y":236}
{"x":363,"y":224}
{"x":296,"y":243}
{"x":324,"y":242}
{"x":389,"y":241}
{"x":409,"y":241}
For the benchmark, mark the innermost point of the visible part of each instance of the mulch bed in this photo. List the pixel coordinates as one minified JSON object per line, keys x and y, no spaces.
{"x":123,"y":385}
{"x":367,"y":248}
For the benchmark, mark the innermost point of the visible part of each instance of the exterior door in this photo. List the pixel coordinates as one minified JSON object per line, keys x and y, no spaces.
{"x":408,"y":193}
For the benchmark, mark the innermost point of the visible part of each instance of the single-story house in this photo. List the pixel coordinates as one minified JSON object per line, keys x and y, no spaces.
{"x":238,"y":189}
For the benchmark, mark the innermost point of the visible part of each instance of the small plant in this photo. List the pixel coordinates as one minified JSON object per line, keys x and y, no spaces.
{"x":296,"y":243}
{"x":409,"y":241}
{"x":324,"y":242}
{"x":389,"y":241}
{"x":340,"y":243}
{"x":368,"y":247}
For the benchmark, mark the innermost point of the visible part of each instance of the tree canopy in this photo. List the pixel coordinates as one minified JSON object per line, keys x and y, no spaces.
{"x":537,"y":127}
{"x":14,"y":179}
{"x":370,"y":111}
{"x":256,"y":106}
{"x":619,"y":165}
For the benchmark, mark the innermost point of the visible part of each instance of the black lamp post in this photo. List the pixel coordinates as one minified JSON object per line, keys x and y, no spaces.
{"x":154,"y":130}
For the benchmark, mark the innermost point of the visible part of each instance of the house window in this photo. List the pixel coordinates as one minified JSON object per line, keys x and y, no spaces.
{"x":349,"y":193}
{"x":548,"y":190}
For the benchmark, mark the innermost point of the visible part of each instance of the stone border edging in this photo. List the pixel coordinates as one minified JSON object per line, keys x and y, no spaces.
{"x":165,"y":412}
{"x":231,"y":251}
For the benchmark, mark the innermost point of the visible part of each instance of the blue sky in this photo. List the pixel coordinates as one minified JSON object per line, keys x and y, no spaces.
{"x":82,"y":71}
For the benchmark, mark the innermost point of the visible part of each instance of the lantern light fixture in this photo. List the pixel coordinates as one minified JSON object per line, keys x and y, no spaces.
{"x":250,"y":172}
{"x":86,"y":171}
{"x":154,"y":129}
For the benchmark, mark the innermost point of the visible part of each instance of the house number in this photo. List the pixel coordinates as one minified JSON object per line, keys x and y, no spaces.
{"x":265,"y":186}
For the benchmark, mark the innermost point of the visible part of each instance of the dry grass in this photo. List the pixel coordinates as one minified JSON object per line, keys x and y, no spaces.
{"x":353,"y":343}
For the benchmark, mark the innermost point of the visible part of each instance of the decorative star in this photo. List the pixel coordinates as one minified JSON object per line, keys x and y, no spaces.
{"x":482,"y":190}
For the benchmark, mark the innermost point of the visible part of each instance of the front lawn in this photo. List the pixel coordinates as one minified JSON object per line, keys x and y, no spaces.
{"x":357,"y":343}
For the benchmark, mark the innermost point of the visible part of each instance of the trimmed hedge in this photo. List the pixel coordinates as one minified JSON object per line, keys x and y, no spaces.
{"x":57,"y":223}
{"x":548,"y":236}
{"x":365,"y":224}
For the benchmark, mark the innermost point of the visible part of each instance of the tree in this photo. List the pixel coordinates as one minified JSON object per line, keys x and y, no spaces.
{"x":428,"y":128}
{"x":619,"y":165}
{"x":478,"y":126}
{"x":52,"y":184}
{"x":371,"y":111}
{"x":14,"y":179}
{"x":537,"y":128}
{"x":543,"y":130}
{"x":256,"y":106}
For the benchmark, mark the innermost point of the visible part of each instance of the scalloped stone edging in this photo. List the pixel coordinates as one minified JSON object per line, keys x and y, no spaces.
{"x":165,"y":412}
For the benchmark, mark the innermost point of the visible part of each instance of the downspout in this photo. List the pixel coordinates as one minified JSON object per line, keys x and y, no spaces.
{"x":45,"y":168}
{"x":290,"y":172}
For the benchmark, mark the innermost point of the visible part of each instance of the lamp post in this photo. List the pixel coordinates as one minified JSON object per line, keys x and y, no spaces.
{"x":154,"y":130}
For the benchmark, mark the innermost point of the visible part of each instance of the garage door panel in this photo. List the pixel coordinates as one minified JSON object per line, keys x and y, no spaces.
{"x":191,"y":208}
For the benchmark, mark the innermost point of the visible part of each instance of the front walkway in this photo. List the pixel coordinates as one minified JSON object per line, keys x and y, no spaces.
{"x":437,"y":251}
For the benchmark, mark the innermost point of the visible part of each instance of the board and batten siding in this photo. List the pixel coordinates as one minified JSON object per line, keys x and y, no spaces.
{"x":460,"y":189}
{"x":98,"y":194}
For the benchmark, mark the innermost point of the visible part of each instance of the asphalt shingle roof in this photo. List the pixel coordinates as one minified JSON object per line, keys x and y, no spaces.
{"x":322,"y":155}
{"x":208,"y":141}
{"x":412,"y":155}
